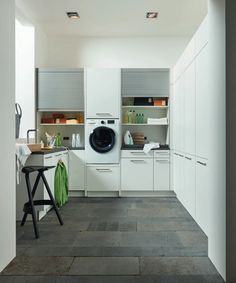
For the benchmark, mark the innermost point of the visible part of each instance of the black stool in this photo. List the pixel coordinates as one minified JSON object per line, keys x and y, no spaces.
{"x":29,"y":206}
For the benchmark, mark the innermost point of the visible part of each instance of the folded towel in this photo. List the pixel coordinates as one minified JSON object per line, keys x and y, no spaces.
{"x":22,"y":153}
{"x":157,"y":121}
{"x":149,"y":146}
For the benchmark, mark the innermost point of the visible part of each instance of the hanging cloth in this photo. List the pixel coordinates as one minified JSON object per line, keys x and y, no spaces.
{"x":61,"y":184}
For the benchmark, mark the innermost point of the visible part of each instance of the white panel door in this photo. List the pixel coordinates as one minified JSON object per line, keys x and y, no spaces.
{"x":181,"y":114}
{"x":103,"y":178}
{"x":189,"y":108}
{"x":161,"y":174}
{"x":202,"y":104}
{"x":202,"y":194}
{"x":103,"y":93}
{"x":76,"y":170}
{"x":189,"y":192}
{"x":137,"y":174}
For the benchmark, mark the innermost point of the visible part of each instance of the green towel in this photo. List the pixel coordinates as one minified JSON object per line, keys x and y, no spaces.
{"x":61,"y":184}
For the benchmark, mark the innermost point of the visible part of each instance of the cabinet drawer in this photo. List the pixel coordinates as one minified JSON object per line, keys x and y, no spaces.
{"x":161,"y":174}
{"x":162,"y":154}
{"x":103,"y":178}
{"x":135,"y":154}
{"x":137,"y":174}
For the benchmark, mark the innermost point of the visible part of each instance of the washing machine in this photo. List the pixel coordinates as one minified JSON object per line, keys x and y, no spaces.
{"x":102,"y":141}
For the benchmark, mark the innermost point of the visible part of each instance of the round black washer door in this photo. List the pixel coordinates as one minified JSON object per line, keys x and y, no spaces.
{"x":102,"y":139}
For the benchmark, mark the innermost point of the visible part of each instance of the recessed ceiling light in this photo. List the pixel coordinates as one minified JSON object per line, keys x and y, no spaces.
{"x":151,"y":15}
{"x":72,"y":15}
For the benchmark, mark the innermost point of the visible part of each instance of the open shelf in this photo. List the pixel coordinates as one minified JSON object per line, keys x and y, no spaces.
{"x":61,"y":124}
{"x":145,"y":106}
{"x":144,"y":124}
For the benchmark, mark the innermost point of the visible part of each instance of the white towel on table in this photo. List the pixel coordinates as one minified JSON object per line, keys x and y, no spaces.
{"x":149,"y":146}
{"x":22,"y":153}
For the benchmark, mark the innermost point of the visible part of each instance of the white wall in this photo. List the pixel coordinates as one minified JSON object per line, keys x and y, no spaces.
{"x":7,"y":141}
{"x":115,"y":52}
{"x":217,"y":201}
{"x":25,"y":74}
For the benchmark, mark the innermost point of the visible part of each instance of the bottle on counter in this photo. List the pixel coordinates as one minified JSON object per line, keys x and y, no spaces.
{"x":126,"y":117}
{"x":58,"y":140}
{"x":73,"y":141}
{"x":133,"y":117}
{"x":130,"y":117}
{"x":142,"y":118}
{"x":77,"y":140}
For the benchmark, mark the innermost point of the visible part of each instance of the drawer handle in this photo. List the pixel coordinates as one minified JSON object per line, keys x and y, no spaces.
{"x":58,"y":155}
{"x":137,"y":153}
{"x":188,"y":158}
{"x":176,"y":154}
{"x":181,"y":155}
{"x":49,"y":157}
{"x":201,"y":163}
{"x":103,"y":114}
{"x":138,"y":161}
{"x":103,"y":170}
{"x":163,"y":161}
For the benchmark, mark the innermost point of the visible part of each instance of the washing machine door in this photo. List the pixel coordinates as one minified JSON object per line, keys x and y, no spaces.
{"x":102,"y":139}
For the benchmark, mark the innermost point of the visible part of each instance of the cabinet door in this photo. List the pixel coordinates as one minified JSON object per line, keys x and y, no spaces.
{"x":178,"y":175}
{"x":103,"y":178}
{"x":60,"y":89}
{"x":137,"y":174}
{"x":189,"y":108}
{"x":49,"y":161}
{"x":161,"y":174}
{"x":103,"y":93}
{"x":189,"y":186}
{"x":145,"y":82}
{"x":202,"y":194}
{"x":77,"y":170}
{"x":202,"y":105}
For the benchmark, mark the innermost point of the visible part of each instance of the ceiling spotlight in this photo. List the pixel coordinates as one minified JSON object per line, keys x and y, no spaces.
{"x":151,"y":15}
{"x":72,"y":15}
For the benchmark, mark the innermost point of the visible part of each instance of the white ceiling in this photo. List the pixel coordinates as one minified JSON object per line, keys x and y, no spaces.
{"x":116,"y":17}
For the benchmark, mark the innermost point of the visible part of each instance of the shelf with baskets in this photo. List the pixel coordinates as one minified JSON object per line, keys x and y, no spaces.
{"x":65,"y":123}
{"x":148,"y":122}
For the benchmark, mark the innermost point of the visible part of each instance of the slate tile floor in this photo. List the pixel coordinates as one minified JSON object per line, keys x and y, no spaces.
{"x":125,"y":240}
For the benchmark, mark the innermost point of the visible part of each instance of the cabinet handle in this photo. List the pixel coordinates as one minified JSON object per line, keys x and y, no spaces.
{"x":138,"y":161}
{"x":103,"y":114}
{"x":202,"y":163}
{"x":49,"y":157}
{"x":137,"y":153}
{"x":163,"y":161}
{"x":103,"y":170}
{"x":58,"y":155}
{"x":188,"y":158}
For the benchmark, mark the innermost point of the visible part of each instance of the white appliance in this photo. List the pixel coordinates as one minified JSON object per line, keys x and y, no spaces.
{"x":102,"y":141}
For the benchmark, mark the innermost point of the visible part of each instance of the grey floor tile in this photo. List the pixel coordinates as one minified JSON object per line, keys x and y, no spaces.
{"x":105,"y":266}
{"x":177,"y":224}
{"x":143,"y":239}
{"x":38,"y":266}
{"x":177,"y":266}
{"x":97,"y":239}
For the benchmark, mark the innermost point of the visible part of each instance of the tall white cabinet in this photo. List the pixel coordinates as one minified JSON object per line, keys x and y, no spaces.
{"x":190,"y":127}
{"x":102,"y":92}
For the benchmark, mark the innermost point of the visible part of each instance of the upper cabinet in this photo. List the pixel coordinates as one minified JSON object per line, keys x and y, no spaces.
{"x":145,"y":82}
{"x":60,"y":89}
{"x":102,"y":93}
